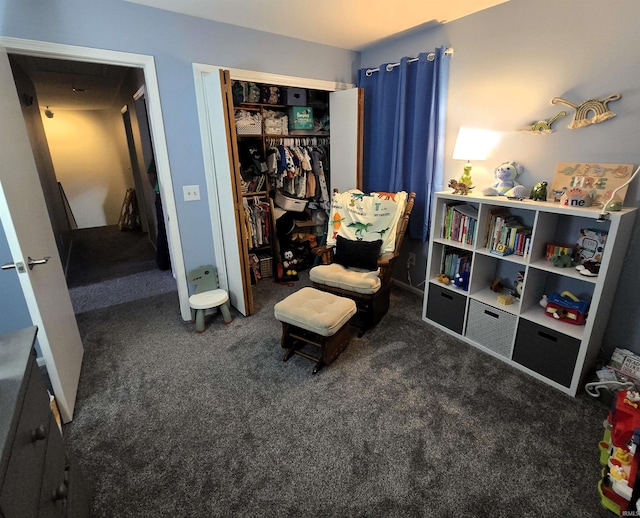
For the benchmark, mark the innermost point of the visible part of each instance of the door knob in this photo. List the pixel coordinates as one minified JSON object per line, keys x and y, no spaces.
{"x":33,"y":262}
{"x":30,"y":263}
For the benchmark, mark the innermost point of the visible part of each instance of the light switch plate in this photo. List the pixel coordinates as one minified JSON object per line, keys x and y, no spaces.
{"x":191,"y":192}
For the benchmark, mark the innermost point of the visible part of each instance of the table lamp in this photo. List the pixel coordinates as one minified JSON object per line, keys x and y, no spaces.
{"x":473,"y":144}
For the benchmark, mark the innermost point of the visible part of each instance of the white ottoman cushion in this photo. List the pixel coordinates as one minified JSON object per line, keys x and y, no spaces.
{"x":350,"y":279}
{"x":208,"y":299}
{"x":314,"y":310}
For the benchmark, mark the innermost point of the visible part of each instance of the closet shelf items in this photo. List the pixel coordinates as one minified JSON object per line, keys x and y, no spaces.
{"x":248,"y":123}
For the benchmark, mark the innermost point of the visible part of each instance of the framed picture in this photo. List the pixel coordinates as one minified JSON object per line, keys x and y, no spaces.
{"x":600,"y":180}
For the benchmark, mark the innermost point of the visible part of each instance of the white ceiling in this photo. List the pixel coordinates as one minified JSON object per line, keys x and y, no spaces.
{"x":348,"y":24}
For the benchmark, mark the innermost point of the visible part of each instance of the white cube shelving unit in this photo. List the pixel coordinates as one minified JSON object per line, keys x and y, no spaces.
{"x":521,"y":334}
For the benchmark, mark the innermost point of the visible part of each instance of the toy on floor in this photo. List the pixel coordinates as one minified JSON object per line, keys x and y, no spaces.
{"x":289,"y":263}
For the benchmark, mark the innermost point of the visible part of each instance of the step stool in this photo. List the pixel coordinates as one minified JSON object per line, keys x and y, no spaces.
{"x":317,"y":318}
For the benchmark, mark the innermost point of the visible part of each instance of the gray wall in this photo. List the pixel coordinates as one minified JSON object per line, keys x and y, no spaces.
{"x":176,"y":42}
{"x":509,"y":62}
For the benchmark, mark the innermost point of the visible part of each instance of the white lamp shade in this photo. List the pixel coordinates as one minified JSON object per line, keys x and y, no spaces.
{"x":475,"y":143}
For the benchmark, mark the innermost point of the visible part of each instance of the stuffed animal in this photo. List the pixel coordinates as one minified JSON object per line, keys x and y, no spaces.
{"x":461,"y":280}
{"x":289,"y":263}
{"x":506,"y":183}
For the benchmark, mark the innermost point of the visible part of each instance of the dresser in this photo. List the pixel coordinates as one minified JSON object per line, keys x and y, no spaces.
{"x":38,"y":478}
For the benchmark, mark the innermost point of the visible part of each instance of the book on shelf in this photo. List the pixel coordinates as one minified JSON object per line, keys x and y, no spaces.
{"x":454,"y":262}
{"x":506,"y":234}
{"x":459,"y":222}
{"x":590,"y":245}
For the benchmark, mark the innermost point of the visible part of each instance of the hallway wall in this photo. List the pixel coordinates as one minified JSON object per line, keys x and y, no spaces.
{"x":91,"y":161}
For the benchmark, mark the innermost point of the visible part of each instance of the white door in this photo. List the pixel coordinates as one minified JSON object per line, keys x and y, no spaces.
{"x":223,"y":199}
{"x":26,"y":223}
{"x":346,"y":112}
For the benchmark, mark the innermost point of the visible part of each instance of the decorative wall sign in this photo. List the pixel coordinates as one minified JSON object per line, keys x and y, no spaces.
{"x":597,"y":108}
{"x":544,"y":126}
{"x":599,"y":180}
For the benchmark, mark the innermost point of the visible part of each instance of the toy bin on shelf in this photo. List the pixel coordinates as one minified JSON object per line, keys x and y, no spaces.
{"x":446,"y":307}
{"x":289,"y":203}
{"x":491,"y":327}
{"x":546,"y":351}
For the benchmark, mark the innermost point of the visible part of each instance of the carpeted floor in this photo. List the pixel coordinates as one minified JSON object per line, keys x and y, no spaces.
{"x":109,"y":266}
{"x":102,"y":253}
{"x":408,"y":421}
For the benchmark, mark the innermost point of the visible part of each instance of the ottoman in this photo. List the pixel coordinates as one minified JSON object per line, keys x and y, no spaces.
{"x":316,"y":318}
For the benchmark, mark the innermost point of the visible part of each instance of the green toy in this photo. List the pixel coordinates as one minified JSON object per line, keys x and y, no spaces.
{"x":539,"y":192}
{"x":561,"y":260}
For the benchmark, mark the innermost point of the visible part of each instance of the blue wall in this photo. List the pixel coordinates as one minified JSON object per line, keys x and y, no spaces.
{"x":176,"y":42}
{"x":14,"y":313}
{"x":509,"y":62}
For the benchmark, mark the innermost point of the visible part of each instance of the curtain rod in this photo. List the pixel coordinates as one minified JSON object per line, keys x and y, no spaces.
{"x":431,"y":56}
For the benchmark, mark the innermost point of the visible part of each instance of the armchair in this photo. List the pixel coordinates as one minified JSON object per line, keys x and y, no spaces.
{"x":364,"y":239}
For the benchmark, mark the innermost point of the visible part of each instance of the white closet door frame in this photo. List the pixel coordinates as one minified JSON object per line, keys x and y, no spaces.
{"x":215,"y":149}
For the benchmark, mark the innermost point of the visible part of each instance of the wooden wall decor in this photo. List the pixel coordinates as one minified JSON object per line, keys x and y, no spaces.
{"x":597,"y":108}
{"x":600,"y":180}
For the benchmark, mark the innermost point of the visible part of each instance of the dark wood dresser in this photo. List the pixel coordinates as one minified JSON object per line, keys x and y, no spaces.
{"x":37,"y":476}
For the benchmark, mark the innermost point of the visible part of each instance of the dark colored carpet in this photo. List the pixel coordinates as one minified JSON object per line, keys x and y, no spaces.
{"x":408,"y":421}
{"x":102,"y":253}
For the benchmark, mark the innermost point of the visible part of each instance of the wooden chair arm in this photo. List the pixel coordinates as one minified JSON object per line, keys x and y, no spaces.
{"x":324,"y":252}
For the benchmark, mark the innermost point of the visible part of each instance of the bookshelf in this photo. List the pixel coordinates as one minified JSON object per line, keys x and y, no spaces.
{"x":497,"y":239}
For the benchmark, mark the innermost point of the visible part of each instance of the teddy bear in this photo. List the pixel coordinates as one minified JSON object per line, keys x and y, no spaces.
{"x":506,"y":184}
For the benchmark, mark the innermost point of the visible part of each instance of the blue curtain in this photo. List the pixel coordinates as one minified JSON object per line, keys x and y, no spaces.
{"x":404,"y":126}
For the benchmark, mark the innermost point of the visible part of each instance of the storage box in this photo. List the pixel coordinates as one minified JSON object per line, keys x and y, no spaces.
{"x":446,"y":307}
{"x":288,"y":203}
{"x":547,"y":352}
{"x":266,"y":265}
{"x":301,"y":118}
{"x":491,"y":327}
{"x":295,"y":96}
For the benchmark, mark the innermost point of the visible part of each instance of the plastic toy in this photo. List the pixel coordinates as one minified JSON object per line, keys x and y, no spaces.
{"x":506,"y":184}
{"x":505,"y":300}
{"x":539,"y":192}
{"x":459,"y":187}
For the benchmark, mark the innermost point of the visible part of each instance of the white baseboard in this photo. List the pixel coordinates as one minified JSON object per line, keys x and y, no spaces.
{"x":407,"y":287}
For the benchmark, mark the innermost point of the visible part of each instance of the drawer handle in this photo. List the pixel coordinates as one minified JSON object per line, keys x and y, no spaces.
{"x":446,"y":295}
{"x":494,"y":315}
{"x":548,"y":336}
{"x":60,"y":493}
{"x":38,"y":434}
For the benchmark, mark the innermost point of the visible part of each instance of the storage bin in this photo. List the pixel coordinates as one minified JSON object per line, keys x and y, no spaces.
{"x":288,"y":203}
{"x":446,"y":307}
{"x":491,"y":327}
{"x":266,"y":265}
{"x":295,"y":96}
{"x":545,"y":351}
{"x":301,"y":118}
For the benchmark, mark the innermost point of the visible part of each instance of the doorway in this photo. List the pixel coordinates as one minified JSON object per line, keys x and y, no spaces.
{"x":145,"y":66}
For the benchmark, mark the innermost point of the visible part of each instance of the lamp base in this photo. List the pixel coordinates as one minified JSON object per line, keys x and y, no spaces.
{"x":466,"y":175}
